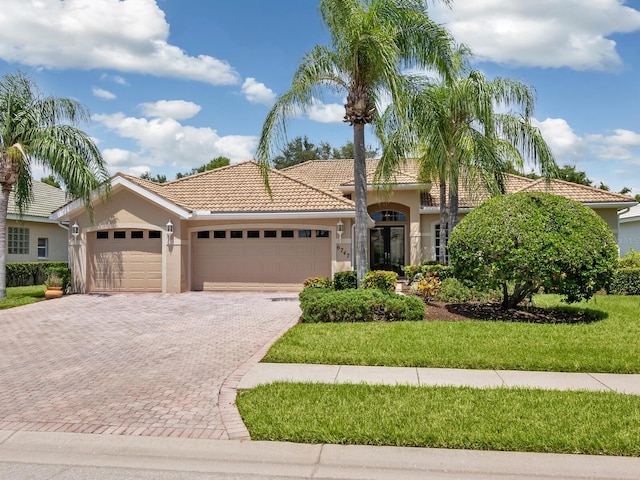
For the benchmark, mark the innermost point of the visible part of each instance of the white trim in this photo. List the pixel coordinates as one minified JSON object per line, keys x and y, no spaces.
{"x":208,"y":215}
{"x":607,"y":204}
{"x":67,"y":210}
{"x":423,"y":187}
{"x":30,"y":218}
{"x":432,"y":210}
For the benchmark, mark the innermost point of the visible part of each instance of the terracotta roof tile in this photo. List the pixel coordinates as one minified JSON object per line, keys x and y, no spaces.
{"x":574,"y":191}
{"x":46,"y":200}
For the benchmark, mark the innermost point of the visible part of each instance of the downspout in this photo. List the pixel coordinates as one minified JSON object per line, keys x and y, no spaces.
{"x":61,"y":225}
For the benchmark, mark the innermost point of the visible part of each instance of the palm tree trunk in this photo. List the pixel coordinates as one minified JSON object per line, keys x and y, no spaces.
{"x":4,"y":204}
{"x":442,"y":255}
{"x":360,"y":180}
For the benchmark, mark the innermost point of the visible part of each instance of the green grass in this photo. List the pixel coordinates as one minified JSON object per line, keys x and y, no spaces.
{"x":608,"y":345}
{"x":599,"y":423}
{"x":17,"y":296}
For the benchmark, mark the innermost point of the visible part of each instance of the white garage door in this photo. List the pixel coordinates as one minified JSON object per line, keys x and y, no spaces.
{"x":125,"y":261}
{"x":259,"y":259}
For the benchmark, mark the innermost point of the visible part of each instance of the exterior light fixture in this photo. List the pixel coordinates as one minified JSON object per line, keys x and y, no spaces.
{"x":75,"y":230}
{"x":169,"y":231}
{"x":340,"y":228}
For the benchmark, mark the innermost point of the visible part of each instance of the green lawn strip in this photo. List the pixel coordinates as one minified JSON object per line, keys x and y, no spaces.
{"x":599,"y":423}
{"x":17,"y":296}
{"x":608,"y":345}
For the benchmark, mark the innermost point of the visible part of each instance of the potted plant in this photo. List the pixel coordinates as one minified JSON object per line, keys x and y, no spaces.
{"x":54,"y":284}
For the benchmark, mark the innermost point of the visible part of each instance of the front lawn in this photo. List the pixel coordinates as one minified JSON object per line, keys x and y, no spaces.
{"x":599,"y":423}
{"x":607,"y":345}
{"x":17,"y":296}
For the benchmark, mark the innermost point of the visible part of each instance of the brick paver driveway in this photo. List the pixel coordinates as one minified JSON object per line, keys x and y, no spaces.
{"x":133,"y":364}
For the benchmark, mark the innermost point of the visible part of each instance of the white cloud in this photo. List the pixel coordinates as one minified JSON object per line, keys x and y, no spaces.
{"x":128,"y":36}
{"x":257,"y":92}
{"x":544,"y":33}
{"x":561,"y":138}
{"x":114,"y":78}
{"x":176,"y":109}
{"x":106,"y":94}
{"x":325,"y":112}
{"x":165,"y":142}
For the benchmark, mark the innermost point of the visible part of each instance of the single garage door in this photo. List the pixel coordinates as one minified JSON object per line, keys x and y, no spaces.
{"x":125,"y":261}
{"x":259,"y":259}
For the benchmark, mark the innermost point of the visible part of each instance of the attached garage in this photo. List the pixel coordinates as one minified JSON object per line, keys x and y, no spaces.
{"x":125,"y":260}
{"x":269,"y":259}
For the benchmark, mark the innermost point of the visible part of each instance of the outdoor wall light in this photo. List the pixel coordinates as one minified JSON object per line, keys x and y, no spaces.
{"x":340,"y":228}
{"x":169,"y":231}
{"x":75,"y":230}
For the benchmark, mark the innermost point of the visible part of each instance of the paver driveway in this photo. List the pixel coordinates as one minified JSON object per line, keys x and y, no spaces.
{"x":132,"y":364}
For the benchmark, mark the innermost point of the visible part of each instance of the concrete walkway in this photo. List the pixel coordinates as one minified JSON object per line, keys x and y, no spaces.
{"x":271,"y":372}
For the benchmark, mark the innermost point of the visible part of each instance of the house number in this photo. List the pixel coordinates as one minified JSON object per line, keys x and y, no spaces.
{"x":343,"y":251}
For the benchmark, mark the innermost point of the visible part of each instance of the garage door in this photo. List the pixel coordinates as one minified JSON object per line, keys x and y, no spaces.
{"x":259,"y":259}
{"x":125,"y":261}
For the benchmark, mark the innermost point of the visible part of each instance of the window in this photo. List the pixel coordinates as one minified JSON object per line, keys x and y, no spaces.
{"x":219,"y":234}
{"x":137,"y":234}
{"x":236,"y":234}
{"x":18,"y":243}
{"x":304,"y":233}
{"x":253,"y":234}
{"x":43,"y":248}
{"x":120,"y":234}
{"x":155,"y":234}
{"x":102,"y":235}
{"x":287,"y":234}
{"x":322,"y":233}
{"x":389,"y":216}
{"x":270,"y":234}
{"x":438,"y":243}
{"x":203,"y":234}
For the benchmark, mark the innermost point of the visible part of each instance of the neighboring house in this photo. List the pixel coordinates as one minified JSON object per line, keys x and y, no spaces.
{"x":629,"y":234}
{"x":221,"y":229}
{"x":35,"y":236}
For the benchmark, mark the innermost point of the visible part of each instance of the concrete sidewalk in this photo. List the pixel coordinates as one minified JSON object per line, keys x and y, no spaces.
{"x":71,"y":456}
{"x":271,"y":372}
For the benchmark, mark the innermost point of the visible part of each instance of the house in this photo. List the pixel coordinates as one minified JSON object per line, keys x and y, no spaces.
{"x":35,"y":236}
{"x":221,"y":229}
{"x":629,"y":234}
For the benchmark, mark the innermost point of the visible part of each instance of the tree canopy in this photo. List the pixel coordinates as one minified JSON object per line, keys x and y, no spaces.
{"x":301,"y":149}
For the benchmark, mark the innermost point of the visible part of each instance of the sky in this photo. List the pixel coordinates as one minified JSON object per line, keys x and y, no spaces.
{"x":171,"y":84}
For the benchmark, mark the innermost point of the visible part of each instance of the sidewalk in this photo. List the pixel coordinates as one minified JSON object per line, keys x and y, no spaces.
{"x":271,"y":372}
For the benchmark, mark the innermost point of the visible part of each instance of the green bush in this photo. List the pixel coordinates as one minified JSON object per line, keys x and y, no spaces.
{"x":427,"y":268}
{"x":358,"y":305}
{"x":625,"y":281}
{"x":453,"y":290}
{"x":381,"y":280}
{"x":318,"y":282}
{"x":631,"y":259}
{"x":63,"y":273}
{"x":526,"y":241}
{"x":345,"y":280}
{"x":23,"y":274}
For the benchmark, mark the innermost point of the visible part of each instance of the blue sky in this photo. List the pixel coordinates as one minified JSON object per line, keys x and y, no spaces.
{"x":171,"y":84}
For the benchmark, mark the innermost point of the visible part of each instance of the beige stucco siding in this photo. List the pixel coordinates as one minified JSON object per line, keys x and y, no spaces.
{"x":56,"y":239}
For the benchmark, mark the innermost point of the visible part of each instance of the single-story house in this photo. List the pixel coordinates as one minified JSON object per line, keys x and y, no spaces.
{"x":221,"y":229}
{"x":629,"y":234}
{"x":36,"y":236}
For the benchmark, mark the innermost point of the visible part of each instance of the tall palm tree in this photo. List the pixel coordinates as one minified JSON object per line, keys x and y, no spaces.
{"x":371,"y":42}
{"x":35,"y":129}
{"x":466,"y":130}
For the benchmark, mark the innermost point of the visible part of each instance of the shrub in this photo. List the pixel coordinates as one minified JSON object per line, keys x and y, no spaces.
{"x":58,"y":276}
{"x":22,"y":274}
{"x":345,"y":280}
{"x":427,"y":287}
{"x":453,"y":290}
{"x":631,"y":259}
{"x":318,"y":282}
{"x":381,"y":280}
{"x":524,"y":241}
{"x":626,"y":281}
{"x":426,"y":268}
{"x":324,"y":305}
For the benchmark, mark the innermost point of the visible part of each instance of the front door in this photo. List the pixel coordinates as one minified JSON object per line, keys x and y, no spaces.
{"x":386,"y":246}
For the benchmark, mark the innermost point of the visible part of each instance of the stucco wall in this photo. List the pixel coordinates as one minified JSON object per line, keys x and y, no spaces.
{"x":57,"y":239}
{"x":629,"y":236}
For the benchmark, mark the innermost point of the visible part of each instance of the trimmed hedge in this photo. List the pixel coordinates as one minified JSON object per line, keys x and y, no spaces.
{"x":362,"y":305}
{"x":381,"y":280}
{"x":427,"y":268}
{"x":625,"y":281}
{"x":345,"y":280}
{"x":23,"y":274}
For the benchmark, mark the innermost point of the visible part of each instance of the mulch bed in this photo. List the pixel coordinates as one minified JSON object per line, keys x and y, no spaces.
{"x":491,"y":311}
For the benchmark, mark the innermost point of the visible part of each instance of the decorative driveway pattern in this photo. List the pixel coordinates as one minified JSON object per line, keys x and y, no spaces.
{"x":134,"y":364}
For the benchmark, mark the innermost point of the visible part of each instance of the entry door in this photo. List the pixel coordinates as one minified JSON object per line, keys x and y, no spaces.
{"x":386,"y":246}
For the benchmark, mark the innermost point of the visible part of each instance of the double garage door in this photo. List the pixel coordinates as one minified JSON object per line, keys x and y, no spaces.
{"x":259,"y":259}
{"x":125,"y":261}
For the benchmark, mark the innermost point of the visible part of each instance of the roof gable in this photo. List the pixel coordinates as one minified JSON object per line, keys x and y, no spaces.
{"x":575,"y":191}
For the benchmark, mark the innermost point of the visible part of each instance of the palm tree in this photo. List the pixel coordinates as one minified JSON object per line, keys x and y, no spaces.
{"x":371,"y":41}
{"x":35,"y":129}
{"x":459,"y":137}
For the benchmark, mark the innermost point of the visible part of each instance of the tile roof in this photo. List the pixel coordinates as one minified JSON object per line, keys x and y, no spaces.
{"x":240,"y":188}
{"x":574,"y":191}
{"x":46,"y":200}
{"x":327,"y":174}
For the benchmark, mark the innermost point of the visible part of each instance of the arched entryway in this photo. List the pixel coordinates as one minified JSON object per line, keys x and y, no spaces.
{"x":387,"y":240}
